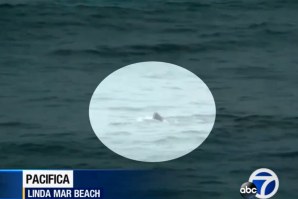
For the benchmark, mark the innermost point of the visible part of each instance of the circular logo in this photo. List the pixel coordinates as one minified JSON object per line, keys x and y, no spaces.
{"x":248,"y":190}
{"x":266,"y":181}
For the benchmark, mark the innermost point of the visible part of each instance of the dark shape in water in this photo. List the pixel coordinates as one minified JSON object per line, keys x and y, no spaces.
{"x":156,"y":116}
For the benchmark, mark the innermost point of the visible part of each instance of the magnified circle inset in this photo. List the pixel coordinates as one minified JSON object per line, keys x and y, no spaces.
{"x":152,"y":111}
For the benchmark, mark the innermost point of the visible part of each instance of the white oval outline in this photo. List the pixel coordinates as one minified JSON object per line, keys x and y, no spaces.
{"x":211,"y":127}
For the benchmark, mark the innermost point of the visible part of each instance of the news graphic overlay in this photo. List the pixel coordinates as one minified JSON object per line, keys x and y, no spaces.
{"x":266,"y":181}
{"x":81,"y":184}
{"x":54,"y":184}
{"x":263,"y":183}
{"x":248,"y":190}
{"x":152,"y":111}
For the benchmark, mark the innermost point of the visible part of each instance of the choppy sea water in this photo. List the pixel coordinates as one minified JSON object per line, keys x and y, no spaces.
{"x":152,"y":111}
{"x":53,"y":54}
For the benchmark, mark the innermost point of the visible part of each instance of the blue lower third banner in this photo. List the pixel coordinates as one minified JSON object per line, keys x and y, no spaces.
{"x":104,"y":184}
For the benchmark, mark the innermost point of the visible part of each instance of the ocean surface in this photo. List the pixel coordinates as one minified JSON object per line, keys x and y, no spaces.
{"x":123,"y":108}
{"x":53,"y":54}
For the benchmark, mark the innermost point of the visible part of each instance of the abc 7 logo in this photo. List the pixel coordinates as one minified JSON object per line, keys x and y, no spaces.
{"x":248,"y":190}
{"x":263,"y":183}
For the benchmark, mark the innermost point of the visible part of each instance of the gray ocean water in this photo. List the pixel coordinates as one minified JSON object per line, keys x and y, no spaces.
{"x":123,"y":106}
{"x":53,"y":54}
